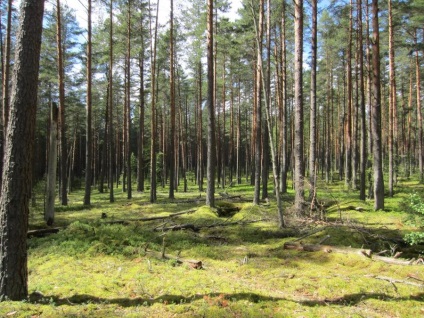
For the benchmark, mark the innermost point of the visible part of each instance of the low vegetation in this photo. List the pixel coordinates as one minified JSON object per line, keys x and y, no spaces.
{"x":98,"y":266}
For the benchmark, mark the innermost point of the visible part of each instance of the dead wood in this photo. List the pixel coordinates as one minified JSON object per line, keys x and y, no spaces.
{"x":326,"y":249}
{"x":394,"y":280}
{"x":43,"y":232}
{"x":153,"y":218}
{"x":197,"y":228}
{"x":394,"y":261}
{"x":349,"y":250}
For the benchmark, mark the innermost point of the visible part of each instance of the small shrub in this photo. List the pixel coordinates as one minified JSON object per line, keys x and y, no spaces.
{"x":415,"y":209}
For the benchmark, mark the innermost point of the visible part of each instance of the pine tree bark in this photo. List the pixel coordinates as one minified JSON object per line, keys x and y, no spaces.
{"x":127,"y":118}
{"x":258,"y":107}
{"x":89,"y":135}
{"x":283,"y":107}
{"x":376,"y":113}
{"x":199,"y":129}
{"x":313,"y":109}
{"x":110,"y":105}
{"x":419,"y":111}
{"x":52,"y":166}
{"x":363,"y":150}
{"x":392,"y":99}
{"x":6,"y":69}
{"x":17,"y":173}
{"x":153,"y":109}
{"x":140,"y":158}
{"x":348,"y":121}
{"x":172,"y":160}
{"x":62,"y":123}
{"x":211,"y":148}
{"x":299,"y":171}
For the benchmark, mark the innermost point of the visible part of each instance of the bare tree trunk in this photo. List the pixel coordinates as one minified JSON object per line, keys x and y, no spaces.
{"x":376,"y":114}
{"x":348,"y":122}
{"x":17,"y":173}
{"x":89,"y":138}
{"x":313,"y":109}
{"x":127,"y":118}
{"x":110,"y":105}
{"x":419,"y":111}
{"x":153,"y":109}
{"x":62,"y":124}
{"x":283,"y":107}
{"x":210,"y":170}
{"x":238,"y":137}
{"x":267,"y":92}
{"x":268,"y":121}
{"x":392,"y":99}
{"x":172,"y":153}
{"x":52,"y":166}
{"x":140,"y":159}
{"x":6,"y":69}
{"x":199,"y":130}
{"x":363,"y":153}
{"x":298,"y":109}
{"x":258,"y":109}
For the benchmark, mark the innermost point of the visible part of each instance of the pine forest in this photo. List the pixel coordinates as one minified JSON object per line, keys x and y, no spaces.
{"x":218,"y":158}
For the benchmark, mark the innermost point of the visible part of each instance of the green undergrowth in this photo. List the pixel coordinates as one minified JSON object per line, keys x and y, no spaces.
{"x":97,"y":267}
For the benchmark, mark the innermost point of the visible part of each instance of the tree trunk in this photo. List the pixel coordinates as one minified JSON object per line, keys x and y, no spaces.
{"x":363,"y":152}
{"x":298,"y":109}
{"x":267,"y":92}
{"x":199,"y":130}
{"x":110,"y":105}
{"x":283,"y":107}
{"x":127,"y":118}
{"x":210,"y":192}
{"x":172,"y":160}
{"x":419,"y":111}
{"x":313,"y":110}
{"x":6,"y":74}
{"x":392,"y":99}
{"x":89,"y":138}
{"x":17,"y":173}
{"x":376,"y":114}
{"x":348,"y":121}
{"x":265,"y":86}
{"x":140,"y":158}
{"x":62,"y":124}
{"x":52,"y":167}
{"x":257,"y":107}
{"x":153,"y":110}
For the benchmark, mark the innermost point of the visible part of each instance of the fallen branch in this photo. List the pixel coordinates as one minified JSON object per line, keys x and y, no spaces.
{"x":153,"y":218}
{"x":197,"y":228}
{"x":394,"y":261}
{"x":43,"y":232}
{"x":326,"y":249}
{"x":349,"y":250}
{"x":393,"y":280}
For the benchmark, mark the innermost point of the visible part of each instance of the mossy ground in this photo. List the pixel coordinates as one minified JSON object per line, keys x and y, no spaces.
{"x":95,"y":269}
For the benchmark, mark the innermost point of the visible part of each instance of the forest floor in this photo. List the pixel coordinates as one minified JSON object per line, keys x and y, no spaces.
{"x":221,"y":266}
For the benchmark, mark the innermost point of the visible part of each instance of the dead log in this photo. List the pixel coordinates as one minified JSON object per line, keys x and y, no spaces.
{"x":43,"y":232}
{"x":326,"y":249}
{"x":197,"y":228}
{"x":153,"y":218}
{"x":394,"y":261}
{"x":394,"y":280}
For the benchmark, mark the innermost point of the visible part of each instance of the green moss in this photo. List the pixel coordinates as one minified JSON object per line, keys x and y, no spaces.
{"x":95,"y":269}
